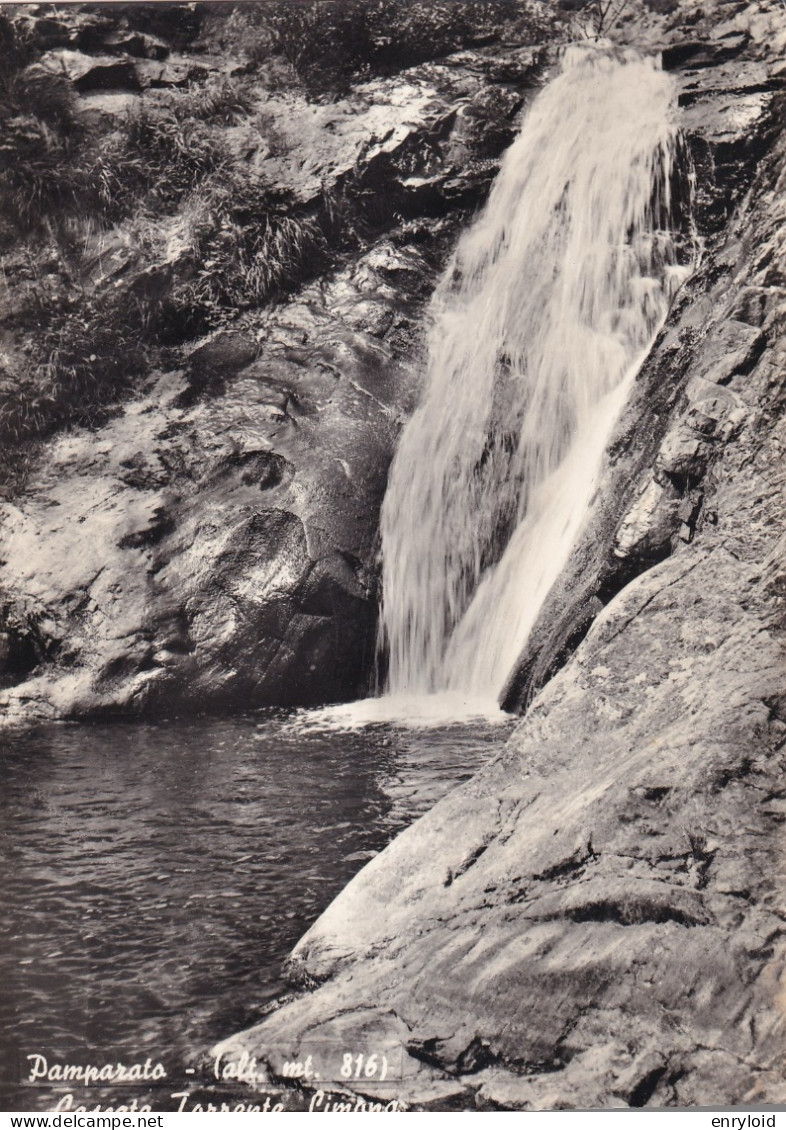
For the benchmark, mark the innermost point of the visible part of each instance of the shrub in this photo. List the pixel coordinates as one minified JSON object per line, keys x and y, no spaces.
{"x":325,"y":44}
{"x":84,"y":357}
{"x":412,"y":31}
{"x":15,"y":53}
{"x":38,"y":178}
{"x":50,"y":170}
{"x":39,"y":173}
{"x":46,"y":96}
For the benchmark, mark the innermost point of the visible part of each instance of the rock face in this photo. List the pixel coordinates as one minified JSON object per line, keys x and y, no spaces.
{"x":597,"y":918}
{"x":212,"y":544}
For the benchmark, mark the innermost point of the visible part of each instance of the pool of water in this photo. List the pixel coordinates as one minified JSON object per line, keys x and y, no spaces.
{"x":153,"y":877}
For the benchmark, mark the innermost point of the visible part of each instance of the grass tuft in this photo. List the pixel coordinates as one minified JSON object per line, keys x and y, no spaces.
{"x":247,"y":248}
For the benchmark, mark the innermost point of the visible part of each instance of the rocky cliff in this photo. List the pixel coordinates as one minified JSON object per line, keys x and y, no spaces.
{"x":212,"y":300}
{"x":596,"y":919}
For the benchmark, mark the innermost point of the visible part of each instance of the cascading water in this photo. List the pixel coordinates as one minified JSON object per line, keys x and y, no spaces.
{"x":538,"y":327}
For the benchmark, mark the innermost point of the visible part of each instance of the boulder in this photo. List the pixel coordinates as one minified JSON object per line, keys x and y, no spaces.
{"x":595,"y":920}
{"x":82,"y":30}
{"x":137,"y":43}
{"x":153,"y":73}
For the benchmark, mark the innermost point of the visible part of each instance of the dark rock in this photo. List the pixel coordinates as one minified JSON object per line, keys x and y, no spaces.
{"x":93,"y":72}
{"x":176,"y":24}
{"x":703,"y":54}
{"x":224,"y":352}
{"x":46,"y":32}
{"x":83,"y":30}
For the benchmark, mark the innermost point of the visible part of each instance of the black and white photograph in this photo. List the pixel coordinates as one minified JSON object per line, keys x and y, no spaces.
{"x":392,"y":557}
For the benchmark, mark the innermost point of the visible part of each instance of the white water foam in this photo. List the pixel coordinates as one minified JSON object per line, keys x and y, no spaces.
{"x":538,"y":327}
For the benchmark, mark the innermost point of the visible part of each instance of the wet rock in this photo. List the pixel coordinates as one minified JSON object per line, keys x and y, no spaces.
{"x":222,"y":353}
{"x":402,"y":146}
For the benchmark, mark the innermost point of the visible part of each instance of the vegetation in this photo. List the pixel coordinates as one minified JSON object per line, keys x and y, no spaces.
{"x":69,"y":186}
{"x":83,"y":356}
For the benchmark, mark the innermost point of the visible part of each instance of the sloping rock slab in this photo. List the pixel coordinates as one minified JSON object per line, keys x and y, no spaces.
{"x":597,"y":918}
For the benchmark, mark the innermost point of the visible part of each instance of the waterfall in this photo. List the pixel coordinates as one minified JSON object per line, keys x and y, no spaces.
{"x":536,"y":331}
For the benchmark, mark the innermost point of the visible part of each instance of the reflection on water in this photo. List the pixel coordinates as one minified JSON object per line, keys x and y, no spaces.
{"x":152,"y":877}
